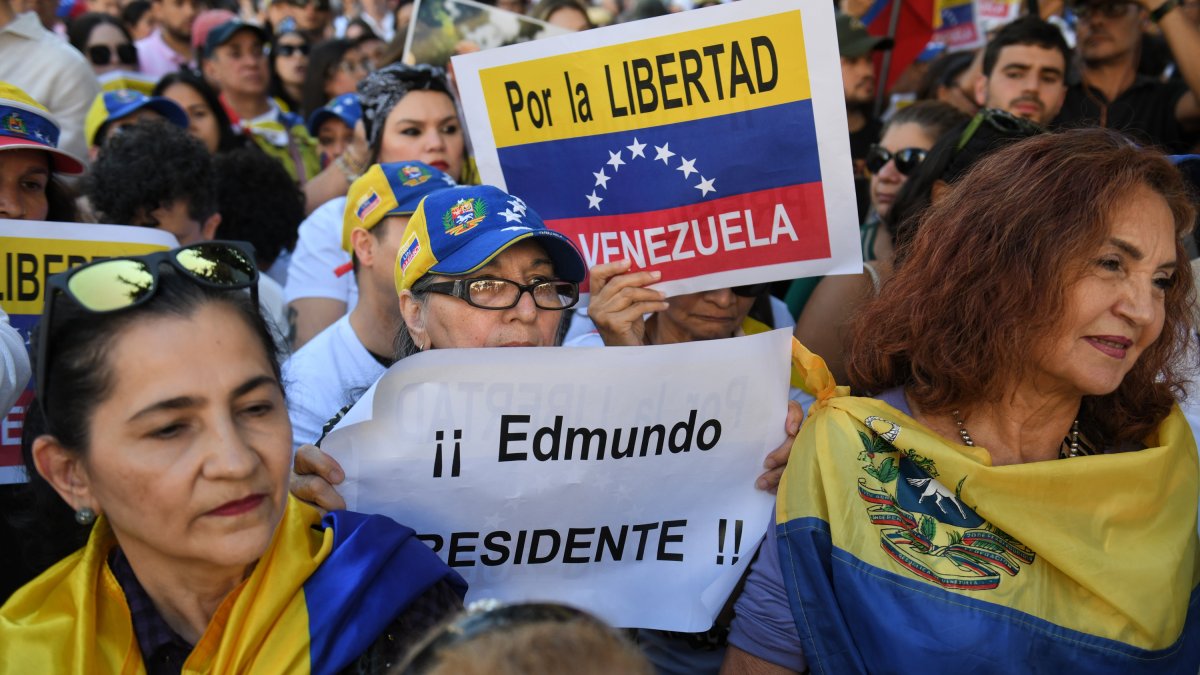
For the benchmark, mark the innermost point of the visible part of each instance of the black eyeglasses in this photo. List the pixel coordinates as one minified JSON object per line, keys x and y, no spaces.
{"x":750,"y":291}
{"x":1000,"y":120}
{"x":291,"y":50}
{"x":1109,"y":10}
{"x":115,"y":284}
{"x":504,"y":294}
{"x":907,"y":160}
{"x":102,"y":55}
{"x":489,"y":619}
{"x":351,"y":66}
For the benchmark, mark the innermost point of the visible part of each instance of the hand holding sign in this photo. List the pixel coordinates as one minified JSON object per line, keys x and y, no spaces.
{"x":620,"y":300}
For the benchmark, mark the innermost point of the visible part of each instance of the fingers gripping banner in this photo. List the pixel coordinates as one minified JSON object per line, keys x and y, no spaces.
{"x":617,"y":479}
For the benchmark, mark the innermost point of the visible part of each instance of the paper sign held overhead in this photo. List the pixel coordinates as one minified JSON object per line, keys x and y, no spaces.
{"x":710,"y":145}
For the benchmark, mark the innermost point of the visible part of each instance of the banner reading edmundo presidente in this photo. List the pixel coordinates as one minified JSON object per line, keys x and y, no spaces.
{"x":32,"y":251}
{"x":619,"y":480}
{"x":709,"y":145}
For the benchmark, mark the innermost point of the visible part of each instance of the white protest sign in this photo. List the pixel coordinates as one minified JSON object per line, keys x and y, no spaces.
{"x":29,"y":253}
{"x":708,"y":145}
{"x":616,"y":479}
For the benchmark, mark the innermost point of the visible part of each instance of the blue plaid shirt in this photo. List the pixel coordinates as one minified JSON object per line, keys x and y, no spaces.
{"x":163,"y":651}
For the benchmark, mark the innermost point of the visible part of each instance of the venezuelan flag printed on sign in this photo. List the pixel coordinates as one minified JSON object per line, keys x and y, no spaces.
{"x":903,"y":552}
{"x":689,"y":144}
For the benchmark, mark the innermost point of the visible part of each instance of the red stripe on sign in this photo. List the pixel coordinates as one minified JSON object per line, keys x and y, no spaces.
{"x":769,"y":227}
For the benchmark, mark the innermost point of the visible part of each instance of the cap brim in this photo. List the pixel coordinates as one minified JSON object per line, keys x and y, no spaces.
{"x":568,"y":262}
{"x":61,"y":162}
{"x":866,"y":45}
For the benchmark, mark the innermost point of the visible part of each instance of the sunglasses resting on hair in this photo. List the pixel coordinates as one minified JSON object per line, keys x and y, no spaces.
{"x":115,"y":284}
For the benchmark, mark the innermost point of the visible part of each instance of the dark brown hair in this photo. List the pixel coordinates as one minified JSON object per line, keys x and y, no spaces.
{"x":988,"y":274}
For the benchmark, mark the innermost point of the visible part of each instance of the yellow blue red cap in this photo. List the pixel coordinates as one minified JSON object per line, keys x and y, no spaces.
{"x":25,"y":124}
{"x":457,"y":231}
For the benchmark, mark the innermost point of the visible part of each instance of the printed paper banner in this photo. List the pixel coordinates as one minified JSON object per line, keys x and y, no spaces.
{"x":32,"y":251}
{"x":993,"y":14}
{"x":709,"y":145}
{"x":955,"y":26}
{"x":617,"y":479}
{"x":440,"y":29}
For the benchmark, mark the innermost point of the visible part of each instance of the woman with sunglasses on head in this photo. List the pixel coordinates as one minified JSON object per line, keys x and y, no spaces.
{"x":160,"y":428}
{"x":105,"y":41}
{"x":288,"y":65}
{"x":1013,"y":488}
{"x":822,"y":305}
{"x":408,"y":113}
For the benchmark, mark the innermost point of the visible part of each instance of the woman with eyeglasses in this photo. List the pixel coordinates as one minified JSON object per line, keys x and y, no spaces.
{"x":159,"y":428}
{"x":1012,"y":488}
{"x":105,"y":41}
{"x":335,"y":68}
{"x":822,"y":305}
{"x":288,"y":64}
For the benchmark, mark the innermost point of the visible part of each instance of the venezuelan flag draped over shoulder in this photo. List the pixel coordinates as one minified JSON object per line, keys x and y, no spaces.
{"x":321,"y":594}
{"x":902,"y":552}
{"x":696,"y":144}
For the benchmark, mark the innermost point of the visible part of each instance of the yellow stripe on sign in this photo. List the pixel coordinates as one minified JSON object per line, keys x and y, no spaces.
{"x":685,"y":76}
{"x":26,"y":262}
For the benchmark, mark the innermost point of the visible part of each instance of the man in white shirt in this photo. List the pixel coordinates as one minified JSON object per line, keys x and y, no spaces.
{"x":334,"y":368}
{"x":50,"y":70}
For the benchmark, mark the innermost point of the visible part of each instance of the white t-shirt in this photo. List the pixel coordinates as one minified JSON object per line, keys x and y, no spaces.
{"x":14,"y":365}
{"x":312,"y":272}
{"x":53,"y":72}
{"x":329,"y":372}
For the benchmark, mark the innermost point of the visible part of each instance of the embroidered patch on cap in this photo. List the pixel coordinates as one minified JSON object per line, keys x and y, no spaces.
{"x":366,"y":204}
{"x":410,"y":252}
{"x":464,"y":215}
{"x":414,"y":175}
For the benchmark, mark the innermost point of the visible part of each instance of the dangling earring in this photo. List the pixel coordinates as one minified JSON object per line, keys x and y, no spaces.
{"x":85,"y":516}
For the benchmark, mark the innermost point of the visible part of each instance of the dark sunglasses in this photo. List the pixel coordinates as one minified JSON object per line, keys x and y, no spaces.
{"x":116,"y":284}
{"x":907,"y":160}
{"x":101,"y":55}
{"x":476,"y":622}
{"x":750,"y":291}
{"x":322,"y":5}
{"x":490,"y":293}
{"x":1109,"y":10}
{"x":291,"y":50}
{"x":1004,"y":122}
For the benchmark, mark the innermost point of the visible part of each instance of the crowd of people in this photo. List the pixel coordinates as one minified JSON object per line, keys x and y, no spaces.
{"x":988,"y":462}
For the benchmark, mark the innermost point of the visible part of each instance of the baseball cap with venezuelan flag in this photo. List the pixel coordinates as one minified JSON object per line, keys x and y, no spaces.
{"x":457,"y":231}
{"x":392,"y":189}
{"x":111,"y":106}
{"x":25,"y":124}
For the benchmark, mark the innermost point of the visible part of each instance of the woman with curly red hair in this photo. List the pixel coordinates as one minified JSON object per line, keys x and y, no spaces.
{"x":1014,"y":488}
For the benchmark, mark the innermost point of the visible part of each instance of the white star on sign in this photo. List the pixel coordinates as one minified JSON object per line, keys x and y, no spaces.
{"x":663,"y":153}
{"x":614,"y":160}
{"x":601,"y":179}
{"x":594,"y":201}
{"x":509,"y":216}
{"x":706,"y":186}
{"x":517,"y":205}
{"x":635,"y":150}
{"x":688,"y":167}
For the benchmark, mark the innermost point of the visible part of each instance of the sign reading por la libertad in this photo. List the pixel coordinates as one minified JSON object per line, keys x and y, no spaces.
{"x":709,"y":145}
{"x":618,"y":480}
